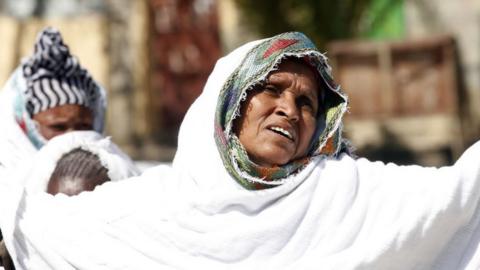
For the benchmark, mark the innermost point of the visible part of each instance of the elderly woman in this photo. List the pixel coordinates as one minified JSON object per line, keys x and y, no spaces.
{"x":262,"y":179}
{"x":47,"y":95}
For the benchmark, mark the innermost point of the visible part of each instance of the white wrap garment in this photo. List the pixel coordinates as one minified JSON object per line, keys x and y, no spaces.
{"x":334,"y":214}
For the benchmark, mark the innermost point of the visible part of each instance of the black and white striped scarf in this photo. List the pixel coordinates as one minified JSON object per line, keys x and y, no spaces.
{"x":54,"y":77}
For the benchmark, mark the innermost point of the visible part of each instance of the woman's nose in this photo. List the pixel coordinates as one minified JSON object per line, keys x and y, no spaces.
{"x":287,"y":107}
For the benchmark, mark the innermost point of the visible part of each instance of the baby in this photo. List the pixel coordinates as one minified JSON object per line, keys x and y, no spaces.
{"x":75,"y":162}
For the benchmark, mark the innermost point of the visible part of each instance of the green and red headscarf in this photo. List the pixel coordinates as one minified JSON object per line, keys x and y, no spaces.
{"x":259,"y":62}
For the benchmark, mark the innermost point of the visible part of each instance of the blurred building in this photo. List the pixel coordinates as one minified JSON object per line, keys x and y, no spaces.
{"x":152,"y":56}
{"x":415,"y":100}
{"x":185,"y":45}
{"x":407,"y":100}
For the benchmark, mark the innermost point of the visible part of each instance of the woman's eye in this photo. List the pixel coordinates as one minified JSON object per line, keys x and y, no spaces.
{"x":305,"y":102}
{"x":271,"y":90}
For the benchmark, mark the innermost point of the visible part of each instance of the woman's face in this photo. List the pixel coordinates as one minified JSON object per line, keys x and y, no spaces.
{"x":62,"y":119}
{"x":278,"y":120}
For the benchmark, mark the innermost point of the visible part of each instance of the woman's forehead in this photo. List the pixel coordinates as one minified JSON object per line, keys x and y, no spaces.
{"x":299,"y":67}
{"x":291,"y":65}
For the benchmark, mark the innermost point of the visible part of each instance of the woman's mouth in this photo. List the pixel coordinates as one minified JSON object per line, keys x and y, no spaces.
{"x":282,"y":132}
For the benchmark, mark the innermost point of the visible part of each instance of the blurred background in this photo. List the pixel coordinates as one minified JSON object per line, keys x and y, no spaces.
{"x":410,"y":67}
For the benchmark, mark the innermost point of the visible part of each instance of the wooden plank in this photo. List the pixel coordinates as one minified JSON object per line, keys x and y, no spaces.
{"x":404,"y":93}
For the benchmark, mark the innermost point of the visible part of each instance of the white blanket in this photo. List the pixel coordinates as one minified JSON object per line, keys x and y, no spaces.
{"x":335,"y":214}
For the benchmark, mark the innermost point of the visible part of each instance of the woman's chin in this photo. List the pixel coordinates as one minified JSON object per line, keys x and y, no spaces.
{"x":274,"y":160}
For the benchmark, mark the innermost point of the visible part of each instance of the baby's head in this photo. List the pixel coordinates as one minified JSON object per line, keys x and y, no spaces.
{"x":74,"y":162}
{"x":76,"y":171}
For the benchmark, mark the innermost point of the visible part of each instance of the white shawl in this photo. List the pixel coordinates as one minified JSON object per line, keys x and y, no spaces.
{"x":335,"y":214}
{"x":14,"y":144}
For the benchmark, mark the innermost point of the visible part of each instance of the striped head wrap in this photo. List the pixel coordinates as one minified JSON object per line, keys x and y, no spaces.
{"x":54,"y":77}
{"x":259,"y":62}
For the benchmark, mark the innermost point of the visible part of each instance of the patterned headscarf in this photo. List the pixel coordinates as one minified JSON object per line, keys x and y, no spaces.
{"x":254,"y":69}
{"x":53,"y":77}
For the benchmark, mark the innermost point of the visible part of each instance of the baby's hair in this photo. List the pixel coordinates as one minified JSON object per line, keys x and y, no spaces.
{"x":79,"y":165}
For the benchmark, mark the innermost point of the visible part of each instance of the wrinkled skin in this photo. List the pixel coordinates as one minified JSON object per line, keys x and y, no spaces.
{"x":62,"y":119}
{"x":278,"y":119}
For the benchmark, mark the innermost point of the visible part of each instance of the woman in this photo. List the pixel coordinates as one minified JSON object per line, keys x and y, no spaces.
{"x":47,"y":95}
{"x":289,"y":116}
{"x":261,"y":180}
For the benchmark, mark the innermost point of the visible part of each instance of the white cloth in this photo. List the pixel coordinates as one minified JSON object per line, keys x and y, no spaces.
{"x":335,"y":214}
{"x":14,"y":144}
